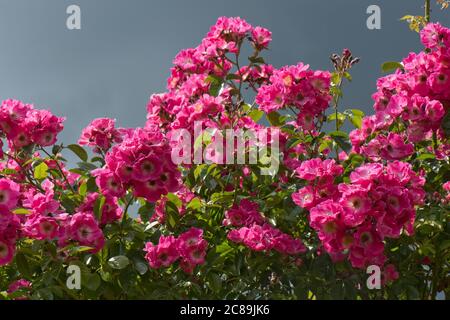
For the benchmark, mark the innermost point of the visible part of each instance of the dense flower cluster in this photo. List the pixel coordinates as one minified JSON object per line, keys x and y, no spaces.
{"x":111,"y":210}
{"x":256,"y":233}
{"x":414,"y":99}
{"x":47,"y":221}
{"x":9,"y":223}
{"x":23,"y":125}
{"x":356,"y":205}
{"x":100,"y":135}
{"x":196,"y":70}
{"x":353,"y":219}
{"x":184,"y":195}
{"x":190,"y":247}
{"x":143,"y":162}
{"x":42,"y":222}
{"x":245,"y":214}
{"x":84,"y":228}
{"x":299,"y":88}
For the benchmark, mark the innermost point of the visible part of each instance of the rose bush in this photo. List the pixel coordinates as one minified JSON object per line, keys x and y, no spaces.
{"x":141,"y":226}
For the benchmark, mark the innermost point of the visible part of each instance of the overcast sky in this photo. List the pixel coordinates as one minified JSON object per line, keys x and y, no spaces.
{"x":124,"y":50}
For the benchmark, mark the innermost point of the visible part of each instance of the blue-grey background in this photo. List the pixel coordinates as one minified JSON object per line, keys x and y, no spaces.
{"x":124,"y":50}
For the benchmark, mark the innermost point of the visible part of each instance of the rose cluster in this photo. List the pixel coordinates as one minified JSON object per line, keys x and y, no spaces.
{"x":184,"y":195}
{"x":46,"y":221}
{"x":352,"y":219}
{"x":22,"y":125}
{"x":297,"y":87}
{"x":44,"y":217}
{"x":141,"y":161}
{"x":100,"y":134}
{"x":9,"y":222}
{"x":256,"y":233}
{"x":189,"y":247}
{"x":413,"y":100}
{"x":197,"y":70}
{"x":83,"y":228}
{"x":111,"y":211}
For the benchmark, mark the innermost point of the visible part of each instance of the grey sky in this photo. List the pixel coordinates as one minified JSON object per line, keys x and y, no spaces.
{"x":124,"y":51}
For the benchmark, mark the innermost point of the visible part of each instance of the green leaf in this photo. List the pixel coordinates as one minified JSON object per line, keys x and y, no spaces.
{"x":348,"y":76}
{"x":445,"y":245}
{"x":23,"y":266}
{"x":340,"y":134}
{"x":8,"y":171}
{"x":41,"y":171}
{"x":446,"y":124}
{"x":356,"y":112}
{"x":172,"y":214}
{"x":79,"y":151}
{"x":356,"y":121}
{"x":335,"y":78}
{"x":146,"y":211}
{"x":390,"y":66}
{"x":73,"y":250}
{"x":291,"y":143}
{"x":215,"y":282}
{"x":56,"y":149}
{"x":340,"y":116}
{"x":175,"y":200}
{"x":21,"y":211}
{"x":233,"y":76}
{"x":275,"y":119}
{"x":355,"y":116}
{"x":215,"y":85}
{"x":98,"y":159}
{"x":86,"y":166}
{"x":69,"y":204}
{"x":151,"y":225}
{"x":341,"y":138}
{"x":415,"y":22}
{"x":256,"y":114}
{"x":195,"y":204}
{"x":118,"y":262}
{"x":82,"y":189}
{"x":221,"y":197}
{"x":92,"y":281}
{"x":77,"y":171}
{"x":204,"y":138}
{"x":91,"y":185}
{"x":256,"y":60}
{"x":98,"y":206}
{"x":141,"y":267}
{"x":426,"y":156}
{"x":356,"y":160}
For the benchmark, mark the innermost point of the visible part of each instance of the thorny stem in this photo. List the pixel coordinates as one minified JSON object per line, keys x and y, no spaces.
{"x":59,"y":168}
{"x":335,"y":106}
{"x":427,"y":11}
{"x":125,"y":212}
{"x":25,"y":172}
{"x":435,"y":143}
{"x":239,"y":71}
{"x":336,"y":100}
